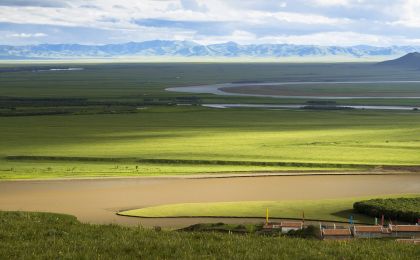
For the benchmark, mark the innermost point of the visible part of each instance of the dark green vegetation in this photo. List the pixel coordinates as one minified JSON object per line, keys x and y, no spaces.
{"x":404,"y":209}
{"x":224,"y":228}
{"x":51,"y":236}
{"x":307,"y":232}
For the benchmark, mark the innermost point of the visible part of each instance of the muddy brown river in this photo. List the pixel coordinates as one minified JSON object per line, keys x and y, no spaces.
{"x":97,"y":200}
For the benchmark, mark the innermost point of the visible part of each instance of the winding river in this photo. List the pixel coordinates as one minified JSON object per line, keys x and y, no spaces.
{"x":98,"y":200}
{"x":223,"y":89}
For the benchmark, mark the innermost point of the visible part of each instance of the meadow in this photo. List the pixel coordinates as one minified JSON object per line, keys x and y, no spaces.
{"x":117,"y":119}
{"x":131,"y":83}
{"x":46,"y":236}
{"x":214,"y":140}
{"x":338,"y":210}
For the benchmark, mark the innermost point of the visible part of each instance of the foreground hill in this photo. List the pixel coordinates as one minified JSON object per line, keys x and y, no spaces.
{"x":51,"y":236}
{"x":192,"y":49}
{"x":410,"y":60}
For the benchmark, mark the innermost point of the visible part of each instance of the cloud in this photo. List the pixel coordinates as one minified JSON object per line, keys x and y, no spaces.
{"x":332,"y":2}
{"x":341,"y":22}
{"x":37,"y":3}
{"x":408,"y":14}
{"x":27,"y":35}
{"x":193,"y":5}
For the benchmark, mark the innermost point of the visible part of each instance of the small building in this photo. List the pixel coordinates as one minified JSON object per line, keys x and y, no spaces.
{"x":336,"y":233}
{"x":405,"y":231}
{"x":284,"y":226}
{"x":287,"y":226}
{"x":371,"y":231}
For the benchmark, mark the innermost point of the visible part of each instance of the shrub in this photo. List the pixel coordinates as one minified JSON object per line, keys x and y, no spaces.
{"x":403,"y":209}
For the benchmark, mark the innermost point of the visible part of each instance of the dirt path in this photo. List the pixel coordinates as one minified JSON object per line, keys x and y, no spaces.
{"x":97,"y":200}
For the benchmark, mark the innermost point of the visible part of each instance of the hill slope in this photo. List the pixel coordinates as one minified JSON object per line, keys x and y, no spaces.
{"x":410,"y":60}
{"x":50,"y":236}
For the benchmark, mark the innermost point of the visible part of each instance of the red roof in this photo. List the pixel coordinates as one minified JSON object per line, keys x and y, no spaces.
{"x":291,"y":224}
{"x":368,"y":229}
{"x":405,"y":228}
{"x":336,"y":232}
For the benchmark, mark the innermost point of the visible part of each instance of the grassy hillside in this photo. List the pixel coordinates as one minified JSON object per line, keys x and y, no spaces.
{"x":47,"y":236}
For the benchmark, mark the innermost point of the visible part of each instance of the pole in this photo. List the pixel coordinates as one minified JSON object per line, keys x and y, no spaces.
{"x":303,"y":217}
{"x":266,"y":216}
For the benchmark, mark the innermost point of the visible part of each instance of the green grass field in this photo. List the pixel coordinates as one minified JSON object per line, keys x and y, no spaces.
{"x":51,"y":236}
{"x":326,"y":210}
{"x":44,"y":169}
{"x":189,"y":133}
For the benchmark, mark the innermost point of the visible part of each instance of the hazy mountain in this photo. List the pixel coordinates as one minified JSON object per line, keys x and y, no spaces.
{"x":410,"y":60}
{"x":192,"y":49}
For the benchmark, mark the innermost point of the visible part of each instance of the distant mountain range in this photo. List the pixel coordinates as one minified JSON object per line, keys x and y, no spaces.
{"x":192,"y":49}
{"x":410,"y":60}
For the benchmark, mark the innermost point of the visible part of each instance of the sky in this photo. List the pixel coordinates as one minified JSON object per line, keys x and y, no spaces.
{"x":312,"y":22}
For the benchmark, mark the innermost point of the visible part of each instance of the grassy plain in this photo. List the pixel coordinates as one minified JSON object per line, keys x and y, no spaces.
{"x":130,"y":83}
{"x":45,"y":169}
{"x":96,"y":115}
{"x":327,"y":210}
{"x":323,"y":138}
{"x":51,"y":236}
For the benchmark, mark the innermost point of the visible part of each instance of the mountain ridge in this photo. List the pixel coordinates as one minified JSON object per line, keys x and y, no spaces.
{"x":192,"y":49}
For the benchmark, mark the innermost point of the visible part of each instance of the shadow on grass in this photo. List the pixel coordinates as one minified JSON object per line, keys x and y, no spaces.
{"x":358,"y":218}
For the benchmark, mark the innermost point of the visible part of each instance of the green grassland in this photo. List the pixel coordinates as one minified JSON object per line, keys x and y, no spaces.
{"x":131,"y":83}
{"x":326,"y":210}
{"x":51,"y":236}
{"x":121,"y":111}
{"x":306,"y":139}
{"x":46,"y":169}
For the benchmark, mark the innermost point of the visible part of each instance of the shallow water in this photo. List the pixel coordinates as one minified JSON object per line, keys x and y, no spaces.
{"x":217,"y":89}
{"x":406,"y":108}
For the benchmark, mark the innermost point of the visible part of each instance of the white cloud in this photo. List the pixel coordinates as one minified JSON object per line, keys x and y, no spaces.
{"x":408,"y":13}
{"x":376,"y":22}
{"x":322,"y":39}
{"x":27,"y":35}
{"x":331,"y":2}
